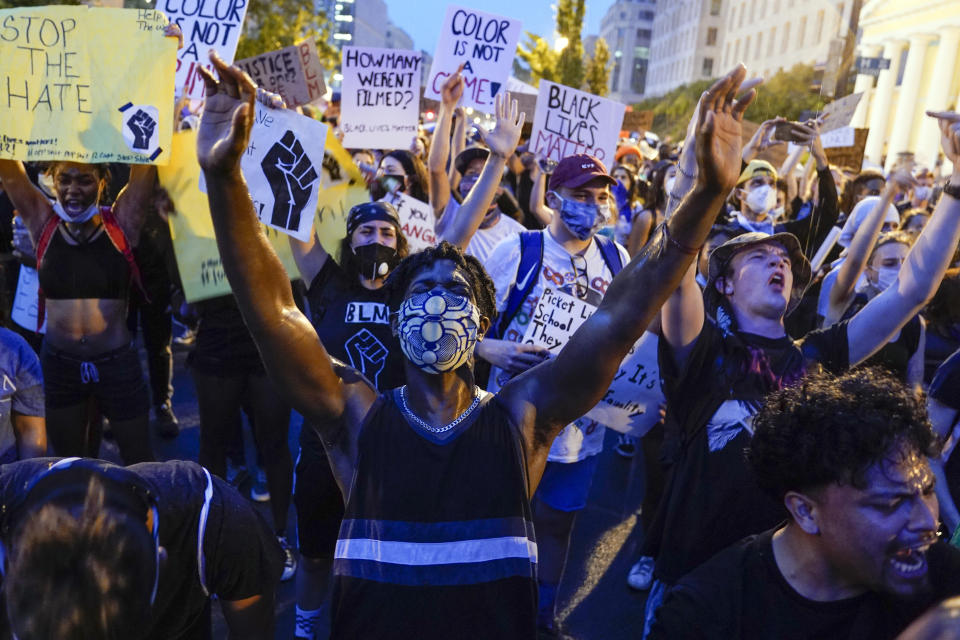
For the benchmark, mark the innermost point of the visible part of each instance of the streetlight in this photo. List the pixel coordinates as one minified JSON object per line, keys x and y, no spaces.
{"x":560,"y":44}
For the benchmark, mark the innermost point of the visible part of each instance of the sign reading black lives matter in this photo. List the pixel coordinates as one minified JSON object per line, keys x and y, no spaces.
{"x":206,"y":24}
{"x":380,"y":97}
{"x":569,"y":121}
{"x":294,"y":72}
{"x":282,"y":167}
{"x":486,"y":44}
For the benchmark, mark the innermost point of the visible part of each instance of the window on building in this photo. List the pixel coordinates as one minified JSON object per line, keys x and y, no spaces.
{"x":773,"y":38}
{"x":746,"y":48}
{"x":801,"y":32}
{"x":726,"y":56}
{"x":785,"y":41}
{"x":759,"y":45}
{"x":763,"y":9}
{"x":615,"y":75}
{"x":840,"y":22}
{"x":733,"y":17}
{"x":707,"y":67}
{"x":715,"y":7}
{"x":644,"y":34}
{"x":638,"y":76}
{"x":736,"y":52}
{"x":646,"y":15}
{"x":753,"y":10}
{"x":776,"y":7}
{"x":820,"y":26}
{"x":743,"y":10}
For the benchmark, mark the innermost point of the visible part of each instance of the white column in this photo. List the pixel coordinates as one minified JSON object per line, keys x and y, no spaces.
{"x":880,"y":101}
{"x":908,"y":101}
{"x":864,"y":85}
{"x":938,"y":96}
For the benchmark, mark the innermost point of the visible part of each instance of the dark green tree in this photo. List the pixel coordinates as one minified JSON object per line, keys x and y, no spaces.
{"x":598,"y":69}
{"x":570,"y":67}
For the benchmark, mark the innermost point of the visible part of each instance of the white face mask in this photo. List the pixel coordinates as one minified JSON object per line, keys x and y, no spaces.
{"x":762,"y":199}
{"x":886,"y":276}
{"x":777,"y":213}
{"x":83,"y":216}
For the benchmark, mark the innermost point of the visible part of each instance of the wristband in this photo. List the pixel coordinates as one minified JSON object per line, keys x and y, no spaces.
{"x":952,"y":190}
{"x":690,"y":251}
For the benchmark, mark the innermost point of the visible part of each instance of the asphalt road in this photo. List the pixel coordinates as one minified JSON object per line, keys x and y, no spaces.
{"x":594,"y":601}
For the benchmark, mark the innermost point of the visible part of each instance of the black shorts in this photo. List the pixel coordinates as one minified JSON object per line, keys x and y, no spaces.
{"x":318,"y":500}
{"x":114,"y":378}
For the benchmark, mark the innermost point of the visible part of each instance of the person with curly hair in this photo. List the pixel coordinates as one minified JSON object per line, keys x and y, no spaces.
{"x":858,"y":556}
{"x":437,"y":476}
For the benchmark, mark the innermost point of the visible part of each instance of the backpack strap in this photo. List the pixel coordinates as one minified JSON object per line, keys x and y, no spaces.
{"x":611,"y":255}
{"x":49,"y":228}
{"x":120,"y":242}
{"x":531,"y":257}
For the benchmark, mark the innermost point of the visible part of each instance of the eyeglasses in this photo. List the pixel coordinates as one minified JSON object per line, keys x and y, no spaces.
{"x":582,"y":280}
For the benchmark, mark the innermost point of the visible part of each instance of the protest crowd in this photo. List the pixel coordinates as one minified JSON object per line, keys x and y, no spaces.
{"x":458,"y":314}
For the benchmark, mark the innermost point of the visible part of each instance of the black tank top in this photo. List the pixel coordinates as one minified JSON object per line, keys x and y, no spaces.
{"x":437,"y":540}
{"x":89,"y":270}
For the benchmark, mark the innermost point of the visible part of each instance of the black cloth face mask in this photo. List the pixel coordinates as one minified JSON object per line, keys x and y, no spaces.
{"x":376,"y":260}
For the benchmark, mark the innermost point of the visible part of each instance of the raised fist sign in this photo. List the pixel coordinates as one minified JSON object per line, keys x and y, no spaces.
{"x":291,"y":175}
{"x":142,"y":126}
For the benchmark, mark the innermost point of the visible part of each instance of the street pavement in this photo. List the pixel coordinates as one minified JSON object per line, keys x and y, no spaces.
{"x":594,"y":602}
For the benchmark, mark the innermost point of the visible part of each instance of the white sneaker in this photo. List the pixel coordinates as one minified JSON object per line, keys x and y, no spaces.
{"x":259,"y":491}
{"x":641,"y":574}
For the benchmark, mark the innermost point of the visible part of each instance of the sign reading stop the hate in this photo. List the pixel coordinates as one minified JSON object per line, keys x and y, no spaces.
{"x":485,"y":44}
{"x":569,"y":121}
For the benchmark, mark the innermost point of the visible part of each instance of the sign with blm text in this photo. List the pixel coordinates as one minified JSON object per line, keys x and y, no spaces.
{"x":416,"y":220}
{"x":631,"y":404}
{"x":293,"y":72}
{"x":206,"y":24}
{"x":68,"y":96}
{"x":485,"y":44}
{"x":380,"y":97}
{"x":569,"y":121}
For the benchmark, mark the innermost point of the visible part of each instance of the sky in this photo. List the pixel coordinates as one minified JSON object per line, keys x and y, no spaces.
{"x":421,"y":18}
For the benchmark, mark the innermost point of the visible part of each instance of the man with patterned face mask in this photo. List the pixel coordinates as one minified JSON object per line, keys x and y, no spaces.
{"x":437,"y":540}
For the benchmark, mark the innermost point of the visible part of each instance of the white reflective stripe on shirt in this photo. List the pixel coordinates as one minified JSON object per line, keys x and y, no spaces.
{"x":201,"y":530}
{"x":430,"y":553}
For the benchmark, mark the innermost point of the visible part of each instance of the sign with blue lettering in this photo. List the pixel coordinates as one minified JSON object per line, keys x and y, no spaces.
{"x":486,"y":44}
{"x":872,"y":66}
{"x":569,"y":121}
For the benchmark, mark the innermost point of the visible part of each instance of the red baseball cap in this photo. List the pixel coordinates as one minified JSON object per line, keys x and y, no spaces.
{"x":577,"y":170}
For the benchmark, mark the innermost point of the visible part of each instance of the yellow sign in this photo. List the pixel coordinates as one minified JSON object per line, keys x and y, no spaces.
{"x":342,"y":187}
{"x":192,"y":229}
{"x":87,"y":85}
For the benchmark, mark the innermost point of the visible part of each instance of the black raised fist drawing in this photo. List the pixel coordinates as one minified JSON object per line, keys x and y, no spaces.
{"x":142,"y":126}
{"x":290,"y":174}
{"x":367,"y":354}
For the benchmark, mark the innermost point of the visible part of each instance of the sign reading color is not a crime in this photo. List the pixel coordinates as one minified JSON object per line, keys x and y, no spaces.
{"x":485,"y":44}
{"x":65,"y":95}
{"x":569,"y":121}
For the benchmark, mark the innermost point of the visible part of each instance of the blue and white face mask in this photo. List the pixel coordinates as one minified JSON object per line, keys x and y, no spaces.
{"x":438,"y":330}
{"x":583,"y":219}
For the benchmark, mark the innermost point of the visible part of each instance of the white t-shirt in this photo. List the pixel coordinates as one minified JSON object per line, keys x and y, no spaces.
{"x":483,"y":241}
{"x":584,"y":437}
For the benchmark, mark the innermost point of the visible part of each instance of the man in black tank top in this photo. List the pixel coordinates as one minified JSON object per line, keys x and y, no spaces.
{"x":436,"y":541}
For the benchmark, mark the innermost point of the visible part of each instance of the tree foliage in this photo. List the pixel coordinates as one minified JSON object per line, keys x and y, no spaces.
{"x":598,"y":68}
{"x":540,"y":59}
{"x":274,"y":24}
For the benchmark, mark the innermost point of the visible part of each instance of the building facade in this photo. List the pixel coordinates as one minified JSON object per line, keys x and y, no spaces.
{"x":770,"y":35}
{"x":921,"y":41}
{"x":686,"y":44}
{"x":363,"y":23}
{"x":627,"y":29}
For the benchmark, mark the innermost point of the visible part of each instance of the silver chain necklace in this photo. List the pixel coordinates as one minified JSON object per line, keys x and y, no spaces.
{"x":410,"y":414}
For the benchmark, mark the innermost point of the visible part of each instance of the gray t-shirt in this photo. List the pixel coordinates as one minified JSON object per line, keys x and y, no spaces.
{"x":21,"y":387}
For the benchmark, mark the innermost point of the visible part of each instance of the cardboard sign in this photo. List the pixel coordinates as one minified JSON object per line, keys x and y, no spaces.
{"x":194,"y":244}
{"x":293,"y":72}
{"x":486,"y":43}
{"x":840,"y":112}
{"x":66,"y":95}
{"x":850,"y":157}
{"x":637,"y":120}
{"x":26,"y":301}
{"x":379,"y":106}
{"x":282,"y":168}
{"x":569,"y":121}
{"x":417,"y":221}
{"x":631,"y":404}
{"x":206,"y":24}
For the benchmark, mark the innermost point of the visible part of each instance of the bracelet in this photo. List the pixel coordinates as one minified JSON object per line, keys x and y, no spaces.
{"x":687,"y":250}
{"x":952,"y":190}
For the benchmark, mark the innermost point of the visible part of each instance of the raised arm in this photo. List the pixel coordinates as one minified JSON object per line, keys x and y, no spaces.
{"x":502,"y":141}
{"x":450,"y":95}
{"x":551,"y":395}
{"x":761,"y":140}
{"x":459,"y":144}
{"x":538,"y":204}
{"x":291,"y":351}
{"x":310,"y":257}
{"x":31,"y":203}
{"x":924,"y":267}
{"x":135,"y":200}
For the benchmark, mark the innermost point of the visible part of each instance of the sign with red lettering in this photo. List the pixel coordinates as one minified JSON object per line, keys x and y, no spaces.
{"x":416,"y":220}
{"x":486,"y":44}
{"x":380,"y":106}
{"x":206,"y":24}
{"x":286,"y":71}
{"x":569,"y":121}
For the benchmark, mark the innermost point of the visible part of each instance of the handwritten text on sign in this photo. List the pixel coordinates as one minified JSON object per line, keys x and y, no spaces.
{"x":416,"y":221}
{"x":293,"y":72}
{"x":631,"y":403}
{"x":486,"y":43}
{"x":569,"y":121}
{"x":380,"y":103}
{"x":64,"y":95}
{"x":206,"y":24}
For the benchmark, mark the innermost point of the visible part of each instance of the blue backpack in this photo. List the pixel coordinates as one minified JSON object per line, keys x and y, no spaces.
{"x":531,"y":258}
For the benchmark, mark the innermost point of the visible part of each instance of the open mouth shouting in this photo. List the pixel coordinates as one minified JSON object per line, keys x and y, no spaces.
{"x":909,"y":562}
{"x":778,"y":281}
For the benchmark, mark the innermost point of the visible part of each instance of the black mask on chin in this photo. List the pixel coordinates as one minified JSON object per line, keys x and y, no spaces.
{"x":376,"y":260}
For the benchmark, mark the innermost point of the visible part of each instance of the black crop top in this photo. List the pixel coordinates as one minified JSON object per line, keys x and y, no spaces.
{"x":92,"y":270}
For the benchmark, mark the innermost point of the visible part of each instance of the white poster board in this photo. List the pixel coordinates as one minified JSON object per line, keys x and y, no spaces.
{"x":631,"y":404}
{"x":26,"y":301}
{"x":206,"y":24}
{"x":380,"y":97}
{"x":569,"y":121}
{"x":416,"y":220}
{"x":486,"y":44}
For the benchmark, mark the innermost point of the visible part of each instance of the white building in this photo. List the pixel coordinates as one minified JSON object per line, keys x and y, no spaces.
{"x":363,"y":23}
{"x":627,"y":28}
{"x":686,"y":44}
{"x":921,"y":41}
{"x":770,"y":35}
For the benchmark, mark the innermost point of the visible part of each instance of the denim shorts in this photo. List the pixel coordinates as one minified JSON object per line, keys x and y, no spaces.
{"x":114,"y":379}
{"x":565,"y":486}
